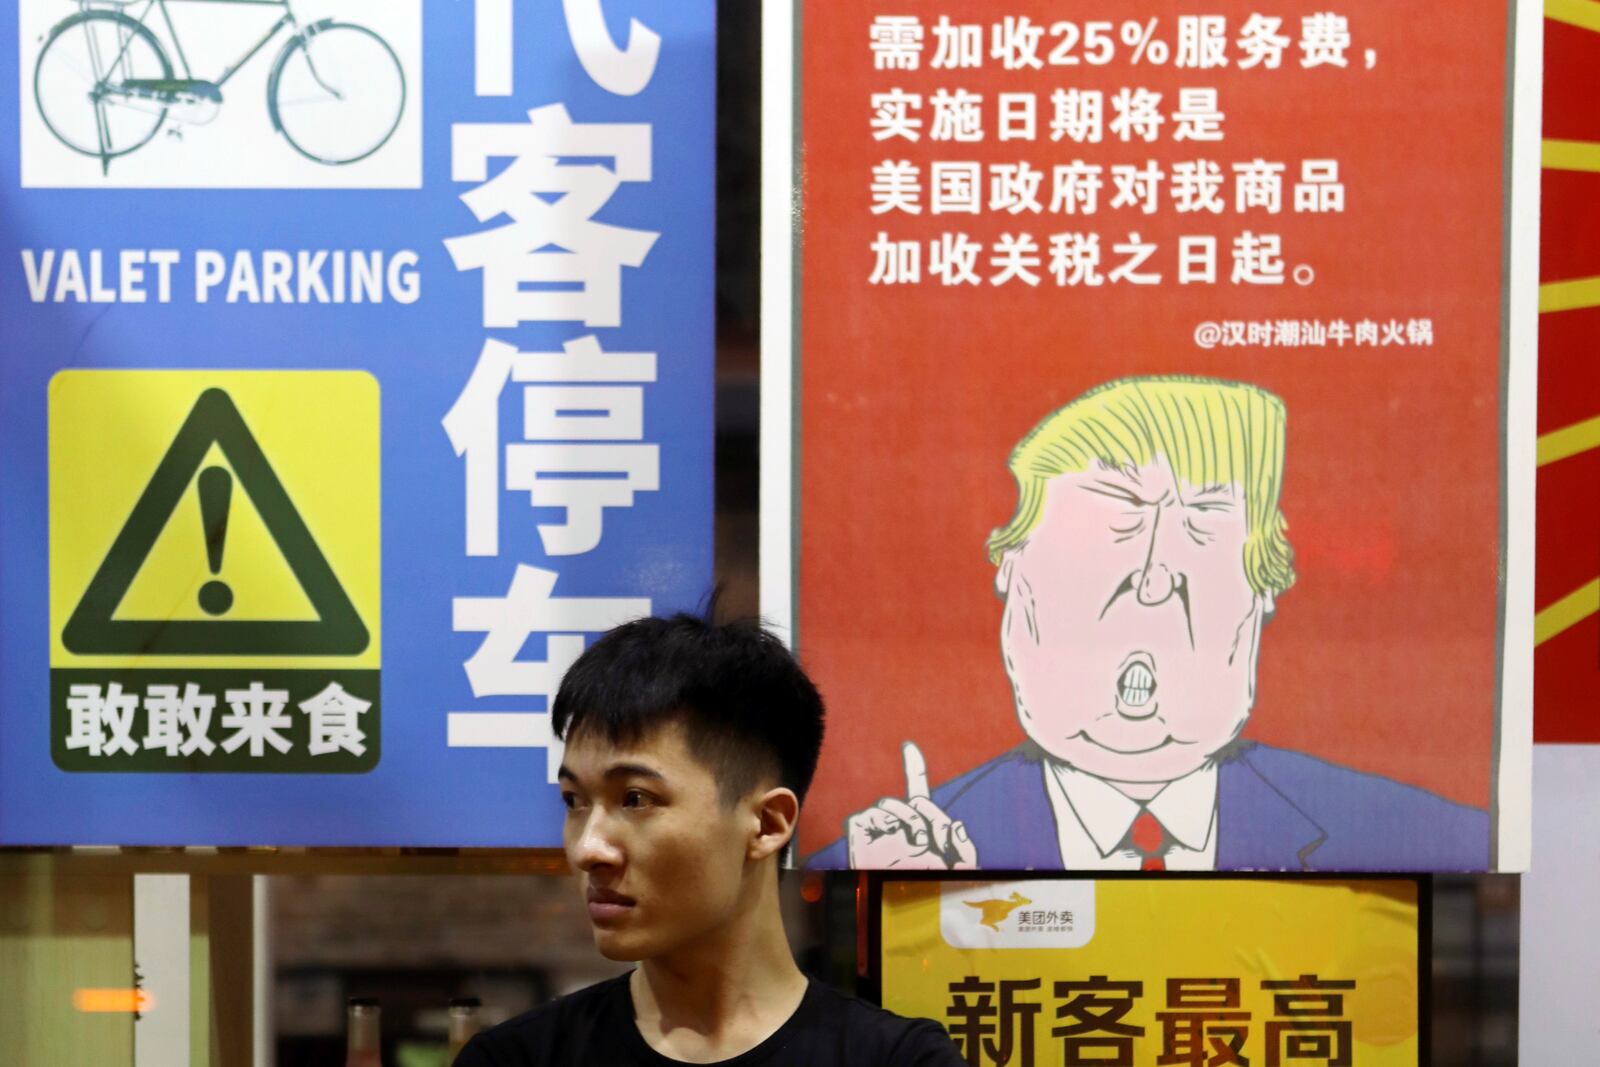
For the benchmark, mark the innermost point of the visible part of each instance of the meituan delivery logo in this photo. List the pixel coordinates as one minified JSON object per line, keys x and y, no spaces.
{"x":1022,"y":914}
{"x":995,"y":910}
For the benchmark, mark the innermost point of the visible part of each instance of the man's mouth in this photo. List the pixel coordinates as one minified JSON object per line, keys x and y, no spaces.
{"x":597,"y":895}
{"x":1136,"y":684}
{"x":607,"y":906}
{"x":1163,"y":743}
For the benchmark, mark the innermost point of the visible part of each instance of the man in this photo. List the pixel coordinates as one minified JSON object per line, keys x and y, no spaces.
{"x":689,"y":748}
{"x":1146,"y":554}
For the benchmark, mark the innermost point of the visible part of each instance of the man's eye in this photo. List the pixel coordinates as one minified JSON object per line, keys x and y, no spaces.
{"x":569,"y":799}
{"x":1200,"y":535}
{"x":634,"y":798}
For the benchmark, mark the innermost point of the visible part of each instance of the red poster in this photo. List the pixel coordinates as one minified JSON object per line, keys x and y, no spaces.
{"x":1567,"y":590}
{"x":1156,"y":435}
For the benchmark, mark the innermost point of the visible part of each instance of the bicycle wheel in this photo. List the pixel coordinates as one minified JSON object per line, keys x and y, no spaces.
{"x":336,"y":92}
{"x":79,"y":87}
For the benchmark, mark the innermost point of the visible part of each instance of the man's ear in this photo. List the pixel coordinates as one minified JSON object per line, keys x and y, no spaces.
{"x":775,"y":812}
{"x":1003,"y":575}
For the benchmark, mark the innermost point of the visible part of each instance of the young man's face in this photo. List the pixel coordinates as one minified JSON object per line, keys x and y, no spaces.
{"x":1130,"y":629}
{"x":660,"y":858}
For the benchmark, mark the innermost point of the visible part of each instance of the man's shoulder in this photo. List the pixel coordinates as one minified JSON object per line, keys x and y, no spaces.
{"x":868,"y":1033}
{"x":1368,"y":821}
{"x":835,"y":1028}
{"x":1305,"y":777}
{"x":1014,"y":771}
{"x":535,"y":1035}
{"x":992,"y":800}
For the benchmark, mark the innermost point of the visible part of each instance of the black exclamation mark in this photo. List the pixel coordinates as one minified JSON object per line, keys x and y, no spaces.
{"x":216,"y":489}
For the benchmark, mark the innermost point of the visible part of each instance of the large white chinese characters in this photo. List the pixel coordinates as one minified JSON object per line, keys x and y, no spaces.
{"x":578,"y":453}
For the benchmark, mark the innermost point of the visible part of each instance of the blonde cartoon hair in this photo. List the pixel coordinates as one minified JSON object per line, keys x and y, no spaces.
{"x":1212,"y":432}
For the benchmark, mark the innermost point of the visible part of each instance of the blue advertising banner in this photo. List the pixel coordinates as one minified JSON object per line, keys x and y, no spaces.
{"x":358,"y":370}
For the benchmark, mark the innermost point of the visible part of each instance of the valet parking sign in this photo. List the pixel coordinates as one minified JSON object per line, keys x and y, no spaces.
{"x":332,"y":431}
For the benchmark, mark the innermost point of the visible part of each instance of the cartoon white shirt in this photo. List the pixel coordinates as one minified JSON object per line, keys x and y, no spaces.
{"x":1093,"y":819}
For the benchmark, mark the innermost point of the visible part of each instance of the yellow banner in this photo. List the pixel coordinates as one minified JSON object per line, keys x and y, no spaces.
{"x":1191,"y":972}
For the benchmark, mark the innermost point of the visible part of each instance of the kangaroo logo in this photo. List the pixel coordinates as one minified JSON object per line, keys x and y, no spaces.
{"x":996,"y":909}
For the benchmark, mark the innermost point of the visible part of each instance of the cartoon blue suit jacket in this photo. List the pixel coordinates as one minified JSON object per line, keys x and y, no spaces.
{"x":1276,"y":810}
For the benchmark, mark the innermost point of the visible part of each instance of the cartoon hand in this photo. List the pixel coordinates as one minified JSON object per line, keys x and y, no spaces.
{"x":912,"y":833}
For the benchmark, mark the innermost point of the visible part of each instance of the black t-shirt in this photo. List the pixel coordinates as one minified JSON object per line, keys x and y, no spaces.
{"x":594,"y":1027}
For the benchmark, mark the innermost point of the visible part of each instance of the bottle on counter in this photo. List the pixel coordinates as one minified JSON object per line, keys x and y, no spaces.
{"x":463,"y":1023}
{"x":364,"y":1031}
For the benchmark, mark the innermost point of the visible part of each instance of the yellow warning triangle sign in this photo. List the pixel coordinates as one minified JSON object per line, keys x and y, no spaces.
{"x":197,"y":547}
{"x":215,"y":421}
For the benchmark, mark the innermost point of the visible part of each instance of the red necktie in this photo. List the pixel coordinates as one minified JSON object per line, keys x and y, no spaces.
{"x":1149,"y":838}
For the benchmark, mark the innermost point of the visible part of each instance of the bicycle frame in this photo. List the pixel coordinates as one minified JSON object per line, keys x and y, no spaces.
{"x":287,"y":19}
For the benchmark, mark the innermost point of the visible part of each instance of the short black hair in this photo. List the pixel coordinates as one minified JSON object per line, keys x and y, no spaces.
{"x":748,"y":708}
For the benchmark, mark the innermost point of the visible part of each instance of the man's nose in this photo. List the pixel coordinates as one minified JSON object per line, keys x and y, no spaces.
{"x":1155,"y":583}
{"x":1159,"y":576}
{"x":593,"y":846}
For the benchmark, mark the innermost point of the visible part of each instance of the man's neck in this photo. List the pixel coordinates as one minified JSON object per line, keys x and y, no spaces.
{"x":1144,"y":792}
{"x":723,"y":995}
